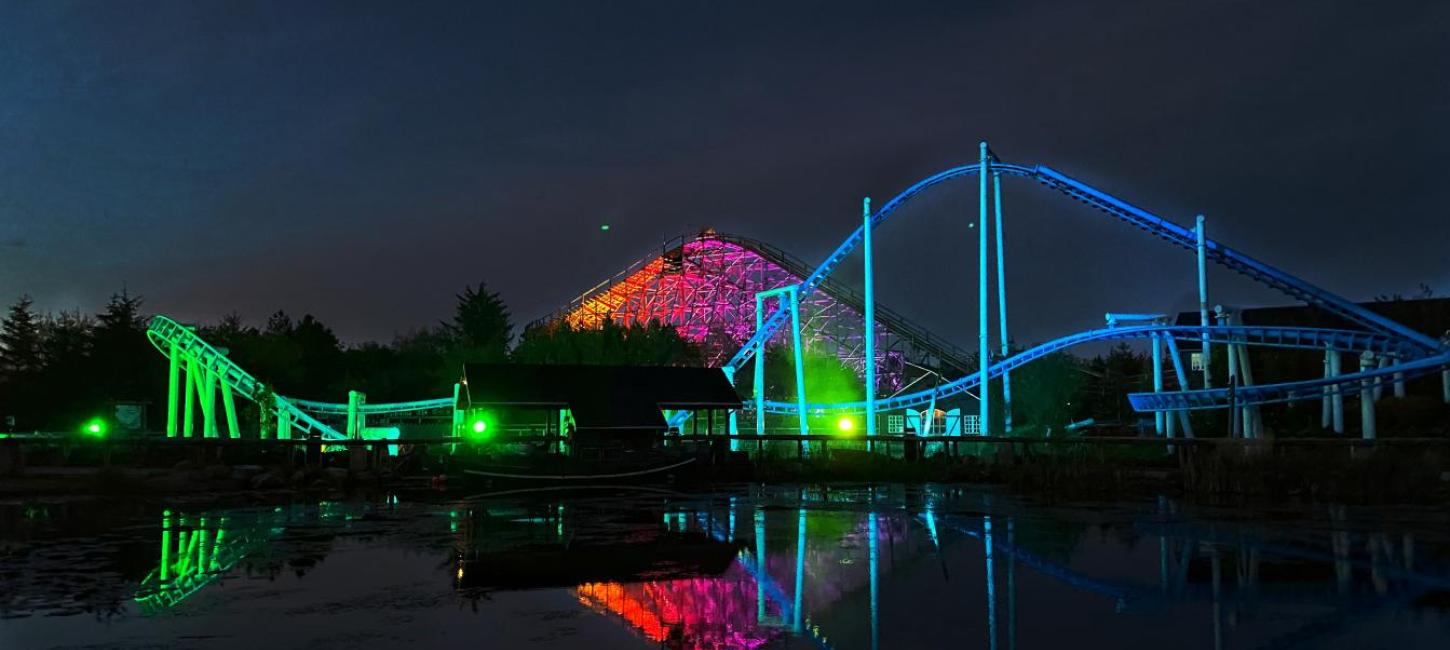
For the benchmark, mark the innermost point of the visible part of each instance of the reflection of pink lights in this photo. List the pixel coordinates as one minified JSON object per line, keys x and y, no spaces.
{"x":708,"y":294}
{"x":688,"y":613}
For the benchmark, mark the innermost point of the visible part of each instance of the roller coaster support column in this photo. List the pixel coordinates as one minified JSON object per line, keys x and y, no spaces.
{"x":229,"y":407}
{"x":984,"y":353}
{"x":732,"y":429}
{"x":870,"y":308}
{"x":173,"y":381}
{"x":759,"y":387}
{"x":188,"y":413}
{"x":1183,"y":385}
{"x":1233,"y":362}
{"x":208,"y":403}
{"x":1326,"y":417}
{"x":800,"y":365}
{"x":355,"y":424}
{"x":791,"y":294}
{"x":1366,"y":398}
{"x":1445,"y":374}
{"x":1202,"y":302}
{"x":1002,"y":304}
{"x":1157,"y":382}
{"x":1336,"y":393}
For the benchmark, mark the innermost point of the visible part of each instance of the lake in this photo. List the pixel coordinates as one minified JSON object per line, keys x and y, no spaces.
{"x":934,"y":566}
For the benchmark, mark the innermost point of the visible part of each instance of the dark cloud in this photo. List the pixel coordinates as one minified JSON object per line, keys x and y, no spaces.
{"x":363,"y":161}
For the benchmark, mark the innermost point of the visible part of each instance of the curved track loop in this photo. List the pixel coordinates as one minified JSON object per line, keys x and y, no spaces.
{"x":1304,"y":338}
{"x":1410,"y":343}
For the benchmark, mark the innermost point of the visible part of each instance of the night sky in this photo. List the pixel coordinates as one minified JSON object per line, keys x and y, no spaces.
{"x":363,"y":162}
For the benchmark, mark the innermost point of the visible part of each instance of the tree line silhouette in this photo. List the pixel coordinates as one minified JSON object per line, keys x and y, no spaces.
{"x":57,"y":370}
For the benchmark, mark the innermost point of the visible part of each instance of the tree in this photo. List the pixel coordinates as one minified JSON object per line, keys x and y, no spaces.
{"x":481,"y":326}
{"x":649,"y":344}
{"x":1046,"y":393}
{"x":19,"y":341}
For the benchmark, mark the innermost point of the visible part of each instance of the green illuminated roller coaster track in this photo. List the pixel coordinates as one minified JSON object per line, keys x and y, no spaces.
{"x":202,"y":371}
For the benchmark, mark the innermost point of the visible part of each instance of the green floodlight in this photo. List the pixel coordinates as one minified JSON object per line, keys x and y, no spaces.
{"x":479,"y":428}
{"x":604,"y":227}
{"x":95,"y":428}
{"x":845,"y":425}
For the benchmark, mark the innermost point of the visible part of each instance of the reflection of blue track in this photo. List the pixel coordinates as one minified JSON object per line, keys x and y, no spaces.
{"x":1284,"y":337}
{"x":1386,"y":335}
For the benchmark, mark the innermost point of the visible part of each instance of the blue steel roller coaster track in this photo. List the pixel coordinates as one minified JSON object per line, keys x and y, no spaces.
{"x":1415,"y":352}
{"x":1408,"y":344}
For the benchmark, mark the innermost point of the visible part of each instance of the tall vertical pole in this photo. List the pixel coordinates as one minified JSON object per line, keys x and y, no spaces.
{"x":1202,"y":300}
{"x":1157,"y":382}
{"x":800,"y":369}
{"x":1002,"y":303}
{"x":173,"y":387}
{"x":870,"y":321}
{"x":984,"y":353}
{"x":759,"y":367}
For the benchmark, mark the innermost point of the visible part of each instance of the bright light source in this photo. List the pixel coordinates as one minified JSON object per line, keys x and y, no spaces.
{"x":480,"y":427}
{"x":95,"y":428}
{"x":604,"y":227}
{"x":845,"y":425}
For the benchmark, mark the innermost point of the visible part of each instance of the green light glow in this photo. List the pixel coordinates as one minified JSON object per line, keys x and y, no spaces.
{"x":604,"y":227}
{"x":845,"y":425}
{"x":480,"y":427}
{"x":95,"y":428}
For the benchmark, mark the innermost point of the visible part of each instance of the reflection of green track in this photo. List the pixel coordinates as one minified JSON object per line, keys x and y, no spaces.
{"x":199,"y":372}
{"x":193,"y":555}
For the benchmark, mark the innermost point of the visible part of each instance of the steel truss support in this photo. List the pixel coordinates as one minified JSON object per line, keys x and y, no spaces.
{"x":1367,"y":428}
{"x":790,"y":294}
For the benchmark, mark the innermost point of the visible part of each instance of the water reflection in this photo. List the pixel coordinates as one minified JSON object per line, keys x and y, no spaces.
{"x":758,"y":568}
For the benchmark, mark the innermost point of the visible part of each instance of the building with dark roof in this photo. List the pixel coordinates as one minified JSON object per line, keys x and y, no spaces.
{"x":600,"y":405}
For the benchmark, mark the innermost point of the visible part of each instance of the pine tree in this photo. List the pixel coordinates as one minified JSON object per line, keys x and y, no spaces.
{"x":20,"y":341}
{"x":482,"y":325}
